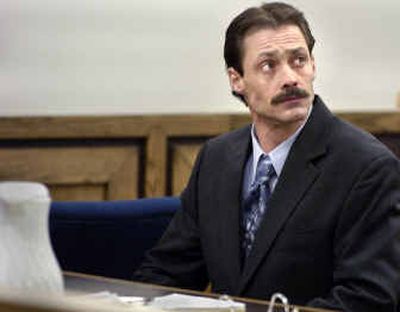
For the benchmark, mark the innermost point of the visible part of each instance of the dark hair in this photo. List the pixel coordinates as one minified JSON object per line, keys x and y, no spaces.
{"x":268,"y":15}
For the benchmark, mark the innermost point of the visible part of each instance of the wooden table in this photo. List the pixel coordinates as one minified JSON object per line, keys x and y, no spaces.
{"x":90,"y":284}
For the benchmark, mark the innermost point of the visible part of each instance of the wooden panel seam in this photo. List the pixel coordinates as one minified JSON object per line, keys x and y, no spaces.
{"x":156,"y":163}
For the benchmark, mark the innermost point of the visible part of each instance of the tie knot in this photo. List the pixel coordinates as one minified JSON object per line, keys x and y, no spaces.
{"x":265,"y":170}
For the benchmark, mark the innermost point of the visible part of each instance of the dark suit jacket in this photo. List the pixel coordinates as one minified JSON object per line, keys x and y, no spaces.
{"x":330,"y":237}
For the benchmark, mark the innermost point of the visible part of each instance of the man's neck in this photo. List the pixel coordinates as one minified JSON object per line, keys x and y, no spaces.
{"x":270,"y":135}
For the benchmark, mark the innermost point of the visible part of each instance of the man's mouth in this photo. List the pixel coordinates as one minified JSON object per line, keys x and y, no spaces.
{"x":291,"y":98}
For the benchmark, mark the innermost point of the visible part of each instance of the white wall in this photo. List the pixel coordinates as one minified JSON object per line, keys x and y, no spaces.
{"x":91,"y":57}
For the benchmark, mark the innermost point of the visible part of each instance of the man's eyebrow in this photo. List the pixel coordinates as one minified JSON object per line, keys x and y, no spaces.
{"x":275,"y":53}
{"x":297,"y":50}
{"x":267,"y":54}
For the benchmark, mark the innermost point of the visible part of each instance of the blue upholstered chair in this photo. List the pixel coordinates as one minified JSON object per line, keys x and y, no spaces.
{"x":108,"y":238}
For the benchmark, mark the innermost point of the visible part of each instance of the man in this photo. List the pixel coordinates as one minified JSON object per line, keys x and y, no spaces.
{"x":300,"y":202}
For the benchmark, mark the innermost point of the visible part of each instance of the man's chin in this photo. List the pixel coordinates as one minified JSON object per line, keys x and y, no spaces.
{"x":284,"y":121}
{"x":293,"y":116}
{"x":294,"y":111}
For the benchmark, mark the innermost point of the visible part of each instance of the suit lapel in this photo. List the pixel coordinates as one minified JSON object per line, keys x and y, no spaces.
{"x":229,"y":199}
{"x":298,"y":175}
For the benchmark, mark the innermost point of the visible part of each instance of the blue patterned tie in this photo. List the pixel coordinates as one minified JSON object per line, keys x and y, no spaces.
{"x":255,"y":204}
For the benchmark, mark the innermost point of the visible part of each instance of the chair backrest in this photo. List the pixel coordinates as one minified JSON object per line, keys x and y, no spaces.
{"x":108,"y":238}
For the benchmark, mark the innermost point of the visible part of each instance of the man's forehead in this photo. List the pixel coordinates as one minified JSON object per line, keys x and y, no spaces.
{"x":288,"y":37}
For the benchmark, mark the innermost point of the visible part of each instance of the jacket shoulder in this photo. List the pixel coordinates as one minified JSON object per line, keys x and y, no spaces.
{"x":352,"y":141}
{"x":232,"y":136}
{"x":236,"y":139}
{"x":222,"y":148}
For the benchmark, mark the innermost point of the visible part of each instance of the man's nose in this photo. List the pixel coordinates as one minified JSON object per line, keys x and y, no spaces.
{"x":289,"y":77}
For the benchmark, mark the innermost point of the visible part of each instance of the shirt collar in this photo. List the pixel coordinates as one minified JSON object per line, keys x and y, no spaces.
{"x":279,"y":154}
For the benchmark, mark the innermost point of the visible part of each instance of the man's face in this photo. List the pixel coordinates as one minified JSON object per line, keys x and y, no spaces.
{"x":278,"y":72}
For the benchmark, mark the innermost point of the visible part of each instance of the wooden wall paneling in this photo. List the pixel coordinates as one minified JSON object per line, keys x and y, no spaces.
{"x":181,"y":158}
{"x":195,"y":125}
{"x":124,"y":180}
{"x":156,"y":162}
{"x":239,"y":120}
{"x":67,"y":192}
{"x":76,"y":127}
{"x":75,"y":172}
{"x":163,"y":128}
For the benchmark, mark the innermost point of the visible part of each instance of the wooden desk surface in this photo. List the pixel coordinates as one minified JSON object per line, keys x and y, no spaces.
{"x":88,"y":283}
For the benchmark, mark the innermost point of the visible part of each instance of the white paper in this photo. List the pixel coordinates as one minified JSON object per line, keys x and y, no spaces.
{"x":179,"y":302}
{"x":112,"y":297}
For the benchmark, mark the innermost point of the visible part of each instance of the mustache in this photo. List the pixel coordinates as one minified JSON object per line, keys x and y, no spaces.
{"x":288,"y":94}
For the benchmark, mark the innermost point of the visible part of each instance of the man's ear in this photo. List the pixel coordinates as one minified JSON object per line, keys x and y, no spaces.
{"x":236,"y":81}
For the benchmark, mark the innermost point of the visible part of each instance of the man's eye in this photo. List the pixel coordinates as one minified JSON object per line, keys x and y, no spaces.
{"x":300,"y":61}
{"x":267,"y":66}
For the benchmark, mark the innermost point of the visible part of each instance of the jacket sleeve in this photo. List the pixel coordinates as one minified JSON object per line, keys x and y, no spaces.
{"x":177,"y":259}
{"x":366,"y":274}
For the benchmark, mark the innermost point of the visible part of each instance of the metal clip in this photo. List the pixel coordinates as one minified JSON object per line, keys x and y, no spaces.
{"x":278,"y":298}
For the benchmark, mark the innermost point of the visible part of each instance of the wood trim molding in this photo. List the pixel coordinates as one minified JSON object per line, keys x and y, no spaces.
{"x":170,"y":125}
